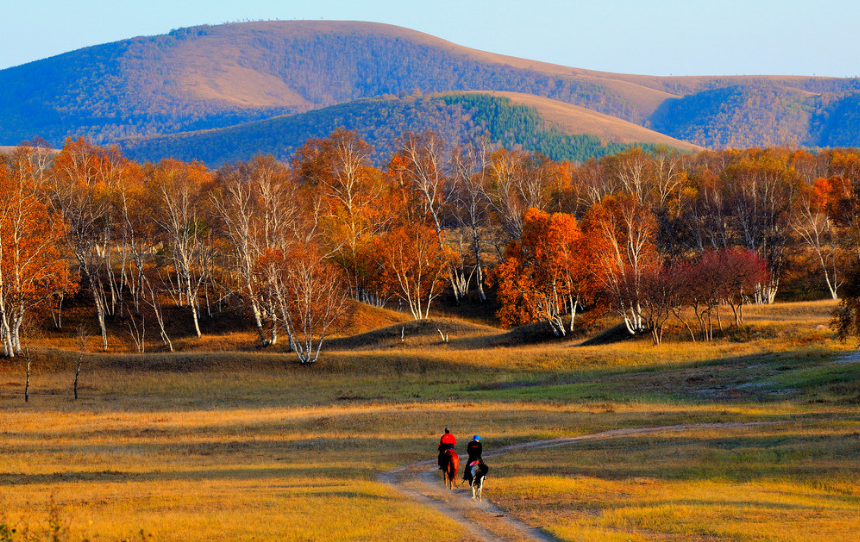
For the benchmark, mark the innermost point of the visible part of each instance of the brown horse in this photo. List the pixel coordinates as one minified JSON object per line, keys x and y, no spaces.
{"x":450,"y":465}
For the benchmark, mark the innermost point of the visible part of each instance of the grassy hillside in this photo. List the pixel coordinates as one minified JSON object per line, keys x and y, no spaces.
{"x":213,"y":76}
{"x":572,"y":119}
{"x":382,"y":121}
{"x":216,"y":76}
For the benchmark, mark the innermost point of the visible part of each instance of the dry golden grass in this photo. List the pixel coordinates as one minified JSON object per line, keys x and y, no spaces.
{"x":792,"y":482}
{"x":249,"y":445}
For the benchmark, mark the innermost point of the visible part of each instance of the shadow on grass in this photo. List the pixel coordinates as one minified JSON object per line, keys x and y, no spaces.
{"x":323,"y":478}
{"x":763,"y":377}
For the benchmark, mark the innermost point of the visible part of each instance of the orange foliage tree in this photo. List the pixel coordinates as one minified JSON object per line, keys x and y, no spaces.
{"x":843,"y":205}
{"x":412,"y":265}
{"x":33,"y":261}
{"x":83,"y":177}
{"x":818,"y":231}
{"x":310,"y":293}
{"x":338,"y":171}
{"x":546,"y":273}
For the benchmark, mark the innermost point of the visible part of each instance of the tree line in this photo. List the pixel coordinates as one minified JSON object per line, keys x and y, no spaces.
{"x":652,"y":236}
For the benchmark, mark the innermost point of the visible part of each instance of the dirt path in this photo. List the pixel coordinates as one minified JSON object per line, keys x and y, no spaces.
{"x":484,"y":520}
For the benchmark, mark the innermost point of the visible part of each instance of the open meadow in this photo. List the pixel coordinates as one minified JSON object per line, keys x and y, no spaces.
{"x":249,"y":445}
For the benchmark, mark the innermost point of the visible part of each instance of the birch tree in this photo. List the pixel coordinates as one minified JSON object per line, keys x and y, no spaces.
{"x":811,"y":222}
{"x":469,"y":173}
{"x":81,"y":176}
{"x":760,"y":190}
{"x":351,"y":192}
{"x":624,"y":232}
{"x":256,"y":204}
{"x":413,"y":265}
{"x":311,"y":294}
{"x":518,"y":181}
{"x":183,"y":224}
{"x":33,"y":262}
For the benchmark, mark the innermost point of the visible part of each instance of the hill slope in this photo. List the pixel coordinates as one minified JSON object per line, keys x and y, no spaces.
{"x":561,"y":131}
{"x":207,"y":77}
{"x":572,"y":119}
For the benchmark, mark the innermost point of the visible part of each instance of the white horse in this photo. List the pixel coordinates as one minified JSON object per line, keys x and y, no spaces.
{"x":477,"y":472}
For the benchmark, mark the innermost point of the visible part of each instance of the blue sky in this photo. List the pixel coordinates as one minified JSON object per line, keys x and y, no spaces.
{"x":659,"y":37}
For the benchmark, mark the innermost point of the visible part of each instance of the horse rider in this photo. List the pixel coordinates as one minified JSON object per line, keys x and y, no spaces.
{"x":447,"y":442}
{"x":474,"y":449}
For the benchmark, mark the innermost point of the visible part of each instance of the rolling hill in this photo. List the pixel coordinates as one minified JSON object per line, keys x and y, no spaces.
{"x":555,"y":129}
{"x":218,"y":76}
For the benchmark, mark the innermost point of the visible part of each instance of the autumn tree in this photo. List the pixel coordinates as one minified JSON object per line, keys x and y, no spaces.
{"x":183,"y":223}
{"x":546,"y":273}
{"x":760,"y":191}
{"x":258,"y":211}
{"x":843,"y":206}
{"x":812,"y":223}
{"x":82,"y":177}
{"x":705,"y":214}
{"x":633,"y":173}
{"x":737,"y":272}
{"x":468,"y":164}
{"x":423,"y":163}
{"x":33,"y":261}
{"x":412,"y":265}
{"x":664,"y":290}
{"x":338,"y":169}
{"x":623,"y":230}
{"x":311,"y":294}
{"x":720,"y":277}
{"x":517,"y":181}
{"x":589,"y":184}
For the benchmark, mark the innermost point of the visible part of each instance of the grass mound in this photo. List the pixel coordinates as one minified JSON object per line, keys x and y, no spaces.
{"x":412,"y":333}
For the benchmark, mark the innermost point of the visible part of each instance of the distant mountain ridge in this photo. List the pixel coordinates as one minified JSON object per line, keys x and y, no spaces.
{"x":219,"y":76}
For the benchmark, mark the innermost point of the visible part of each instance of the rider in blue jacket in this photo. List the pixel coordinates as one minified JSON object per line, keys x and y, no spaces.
{"x":474,"y":449}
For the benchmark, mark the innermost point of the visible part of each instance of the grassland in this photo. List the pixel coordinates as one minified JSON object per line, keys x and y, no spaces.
{"x":246,"y":445}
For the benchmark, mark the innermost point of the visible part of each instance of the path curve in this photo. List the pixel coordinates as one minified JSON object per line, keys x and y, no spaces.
{"x":421,"y":482}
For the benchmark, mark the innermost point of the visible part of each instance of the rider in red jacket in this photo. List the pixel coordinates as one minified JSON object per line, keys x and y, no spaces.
{"x":447,"y":442}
